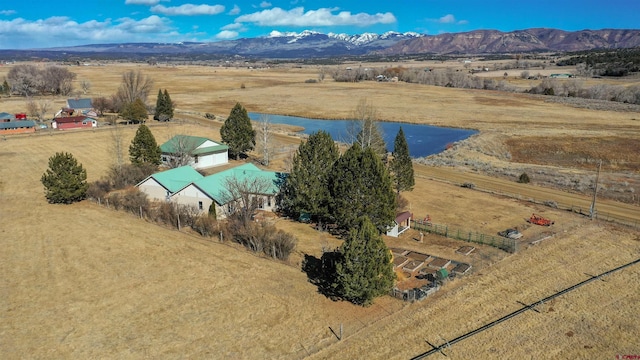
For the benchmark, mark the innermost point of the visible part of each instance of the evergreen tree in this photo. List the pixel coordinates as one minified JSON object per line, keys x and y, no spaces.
{"x":360,"y":185}
{"x":364,"y":270}
{"x":401,"y":165}
{"x":159,"y":105}
{"x":6,"y":88}
{"x":164,"y":106}
{"x":135,"y":111}
{"x":168,"y":105}
{"x":237,"y":131}
{"x":65,"y":181}
{"x":144,"y":149}
{"x":306,"y":188}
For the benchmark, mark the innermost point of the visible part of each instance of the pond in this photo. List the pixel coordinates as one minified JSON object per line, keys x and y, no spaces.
{"x":423,"y":140}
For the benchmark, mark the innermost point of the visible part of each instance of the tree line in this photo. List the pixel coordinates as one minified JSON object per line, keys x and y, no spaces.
{"x":358,"y":192}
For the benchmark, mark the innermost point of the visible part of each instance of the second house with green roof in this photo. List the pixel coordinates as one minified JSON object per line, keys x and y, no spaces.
{"x":197,"y":152}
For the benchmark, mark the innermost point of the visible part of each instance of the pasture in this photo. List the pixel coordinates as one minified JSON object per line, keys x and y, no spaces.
{"x":84,"y":281}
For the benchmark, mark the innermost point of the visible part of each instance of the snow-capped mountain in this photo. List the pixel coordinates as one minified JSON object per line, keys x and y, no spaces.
{"x":313,"y":44}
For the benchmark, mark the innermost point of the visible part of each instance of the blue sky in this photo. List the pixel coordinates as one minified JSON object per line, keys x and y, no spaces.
{"x":53,"y":23}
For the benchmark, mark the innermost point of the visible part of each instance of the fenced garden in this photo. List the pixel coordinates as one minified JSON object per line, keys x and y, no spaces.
{"x":506,"y":244}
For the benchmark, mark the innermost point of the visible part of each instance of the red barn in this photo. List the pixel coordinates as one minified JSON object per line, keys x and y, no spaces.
{"x":73,"y":122}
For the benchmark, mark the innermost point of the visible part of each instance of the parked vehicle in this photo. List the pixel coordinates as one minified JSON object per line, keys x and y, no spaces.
{"x":539,"y":220}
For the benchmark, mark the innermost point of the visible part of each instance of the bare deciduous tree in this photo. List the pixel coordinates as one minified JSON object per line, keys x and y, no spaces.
{"x":102,"y":104}
{"x":117,"y":145}
{"x":85,"y":85}
{"x":183,"y":147}
{"x":264,"y":138}
{"x":38,"y":109}
{"x":364,"y":128}
{"x":135,"y":85}
{"x":244,"y":196}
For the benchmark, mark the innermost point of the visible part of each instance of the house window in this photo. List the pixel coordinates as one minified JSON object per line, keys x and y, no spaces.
{"x":195,"y":159}
{"x":269,"y":201}
{"x":261,"y":203}
{"x":200,"y":205}
{"x":164,"y":159}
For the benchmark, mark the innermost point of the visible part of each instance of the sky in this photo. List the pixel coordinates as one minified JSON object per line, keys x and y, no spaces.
{"x":28,"y":24}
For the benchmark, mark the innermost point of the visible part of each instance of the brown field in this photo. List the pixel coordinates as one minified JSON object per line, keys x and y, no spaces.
{"x":84,"y":281}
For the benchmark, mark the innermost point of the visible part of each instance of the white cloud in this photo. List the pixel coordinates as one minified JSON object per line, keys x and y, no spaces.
{"x":227,"y":34}
{"x":7,"y":12}
{"x":141,"y":2}
{"x":447,"y":19}
{"x":62,"y":31}
{"x":234,"y":26}
{"x":265,"y":4}
{"x":188,"y":9}
{"x":320,"y":17}
{"x":450,"y":19}
{"x":235,"y":10}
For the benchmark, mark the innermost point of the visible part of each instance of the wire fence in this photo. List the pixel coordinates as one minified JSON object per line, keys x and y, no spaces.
{"x":502,"y":243}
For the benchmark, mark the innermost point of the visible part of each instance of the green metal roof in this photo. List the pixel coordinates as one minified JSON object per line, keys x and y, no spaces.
{"x":214,"y":185}
{"x":176,"y":179}
{"x":181,"y":143}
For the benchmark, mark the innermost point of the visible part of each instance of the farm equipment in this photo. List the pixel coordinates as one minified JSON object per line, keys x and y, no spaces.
{"x":511,"y":234}
{"x":539,"y":220}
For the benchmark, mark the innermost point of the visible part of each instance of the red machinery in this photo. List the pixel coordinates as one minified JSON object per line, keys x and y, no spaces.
{"x":539,"y":220}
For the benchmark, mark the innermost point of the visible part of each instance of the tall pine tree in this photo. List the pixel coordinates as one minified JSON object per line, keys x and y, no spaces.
{"x":364,"y":270}
{"x":401,"y":165}
{"x":144,"y":149}
{"x":164,"y":106}
{"x":306,"y":189}
{"x":237,"y":131}
{"x":360,"y":185}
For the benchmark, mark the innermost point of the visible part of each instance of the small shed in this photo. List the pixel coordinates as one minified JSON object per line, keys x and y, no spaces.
{"x":401,"y":224}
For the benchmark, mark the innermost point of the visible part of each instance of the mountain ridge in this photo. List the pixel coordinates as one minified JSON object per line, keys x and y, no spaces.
{"x":310,"y":43}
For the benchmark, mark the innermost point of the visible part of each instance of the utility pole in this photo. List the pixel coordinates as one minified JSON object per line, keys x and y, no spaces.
{"x":592,"y":209}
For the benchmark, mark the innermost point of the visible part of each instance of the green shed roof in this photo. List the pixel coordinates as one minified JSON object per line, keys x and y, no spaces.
{"x":181,"y":143}
{"x":176,"y":179}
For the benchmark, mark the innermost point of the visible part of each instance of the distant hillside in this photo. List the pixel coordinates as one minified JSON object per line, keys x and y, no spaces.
{"x":493,"y":41}
{"x":311,"y":44}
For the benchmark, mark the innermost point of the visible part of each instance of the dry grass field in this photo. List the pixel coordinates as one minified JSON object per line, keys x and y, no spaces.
{"x":84,"y":281}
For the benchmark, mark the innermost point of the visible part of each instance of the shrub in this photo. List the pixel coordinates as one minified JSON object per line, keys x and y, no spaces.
{"x":98,"y":189}
{"x":205,"y":225}
{"x":524,"y":178}
{"x":311,"y":81}
{"x":259,"y":237}
{"x":129,"y":174}
{"x":134,"y":201}
{"x":165,"y":213}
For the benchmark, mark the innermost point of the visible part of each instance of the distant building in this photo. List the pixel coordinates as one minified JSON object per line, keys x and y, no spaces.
{"x":73,"y":122}
{"x":17,"y":127}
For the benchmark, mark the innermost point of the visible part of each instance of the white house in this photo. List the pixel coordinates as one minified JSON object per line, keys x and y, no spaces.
{"x":198,"y":152}
{"x":186,"y":186}
{"x":161,"y":186}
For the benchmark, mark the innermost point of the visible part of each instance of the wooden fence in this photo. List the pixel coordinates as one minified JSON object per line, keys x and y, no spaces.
{"x":502,"y":243}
